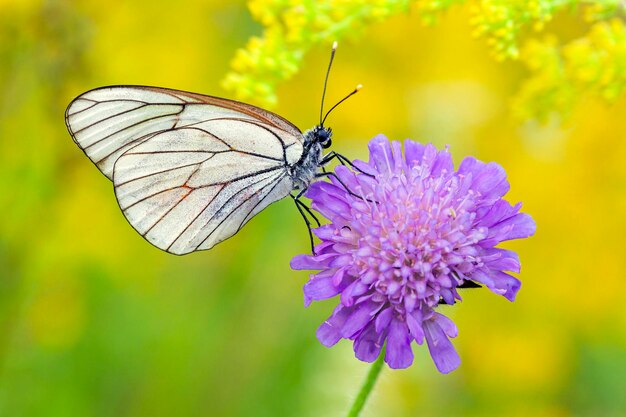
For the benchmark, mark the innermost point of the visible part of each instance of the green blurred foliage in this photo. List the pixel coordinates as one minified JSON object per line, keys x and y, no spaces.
{"x":96,"y":322}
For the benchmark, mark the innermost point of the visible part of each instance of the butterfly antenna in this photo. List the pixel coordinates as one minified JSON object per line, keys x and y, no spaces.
{"x":330,"y":64}
{"x":356,"y":90}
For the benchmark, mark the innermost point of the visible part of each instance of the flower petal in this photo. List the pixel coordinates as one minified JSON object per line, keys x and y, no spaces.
{"x":469,"y":166}
{"x":364,"y":167}
{"x":362,"y":314}
{"x":383,"y":318}
{"x":498,"y":282}
{"x":369,"y":342}
{"x":501,"y":259}
{"x":441,"y":349}
{"x":508,"y":284}
{"x":491,"y":215}
{"x":329,"y":332}
{"x":447,"y":325}
{"x":429,"y":157}
{"x":518,"y":226}
{"x":413,"y":152}
{"x":305,"y":262}
{"x":322,"y":287}
{"x":381,"y":154}
{"x":348,"y":178}
{"x":398,"y":161}
{"x":443,"y":162}
{"x":399,"y":354}
{"x":352,"y":292}
{"x":332,"y":207}
{"x":490,"y":180}
{"x":415,"y":329}
{"x":318,"y":189}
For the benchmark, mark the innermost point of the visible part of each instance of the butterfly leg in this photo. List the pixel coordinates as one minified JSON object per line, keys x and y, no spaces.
{"x":302,"y":208}
{"x":309,"y":212}
{"x":343,"y":160}
{"x":332,"y":155}
{"x":332,"y":174}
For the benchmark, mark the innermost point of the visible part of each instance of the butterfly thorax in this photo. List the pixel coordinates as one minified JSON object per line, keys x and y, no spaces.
{"x":304,"y":171}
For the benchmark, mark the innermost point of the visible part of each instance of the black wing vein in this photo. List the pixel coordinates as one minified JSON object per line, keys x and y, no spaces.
{"x":161,"y":172}
{"x":135,"y":125}
{"x":144,"y":234}
{"x":217,"y":212}
{"x":107,"y":118}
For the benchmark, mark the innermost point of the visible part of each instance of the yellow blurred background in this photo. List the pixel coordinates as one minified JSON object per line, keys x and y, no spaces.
{"x":96,"y":322}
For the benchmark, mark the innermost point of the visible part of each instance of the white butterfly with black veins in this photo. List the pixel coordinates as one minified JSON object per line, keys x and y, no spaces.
{"x":189,"y":170}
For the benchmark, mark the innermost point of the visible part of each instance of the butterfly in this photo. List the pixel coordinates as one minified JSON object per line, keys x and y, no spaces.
{"x":190,"y":170}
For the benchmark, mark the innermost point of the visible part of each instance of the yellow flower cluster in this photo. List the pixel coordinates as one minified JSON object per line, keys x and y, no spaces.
{"x":598,"y":62}
{"x":291,"y":29}
{"x":501,"y":21}
{"x":593,"y":65}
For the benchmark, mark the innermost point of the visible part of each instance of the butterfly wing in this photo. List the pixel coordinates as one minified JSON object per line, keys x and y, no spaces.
{"x":188,"y":170}
{"x":107,"y":121}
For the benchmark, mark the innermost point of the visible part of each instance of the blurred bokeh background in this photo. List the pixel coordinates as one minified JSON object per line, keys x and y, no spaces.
{"x":96,"y":322}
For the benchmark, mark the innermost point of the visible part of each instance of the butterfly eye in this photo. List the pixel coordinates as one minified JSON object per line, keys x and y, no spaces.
{"x":323,"y":136}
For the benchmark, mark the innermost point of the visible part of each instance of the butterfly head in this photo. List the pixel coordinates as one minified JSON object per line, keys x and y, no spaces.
{"x":322,"y":135}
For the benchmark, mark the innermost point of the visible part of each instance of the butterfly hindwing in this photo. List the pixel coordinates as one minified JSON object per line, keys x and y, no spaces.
{"x":183,"y":198}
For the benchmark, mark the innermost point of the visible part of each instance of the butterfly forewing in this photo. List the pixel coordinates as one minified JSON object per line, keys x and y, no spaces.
{"x":107,"y":121}
{"x":189,"y":170}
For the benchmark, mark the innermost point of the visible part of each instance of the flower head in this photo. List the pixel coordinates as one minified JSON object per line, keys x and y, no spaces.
{"x":405,"y":233}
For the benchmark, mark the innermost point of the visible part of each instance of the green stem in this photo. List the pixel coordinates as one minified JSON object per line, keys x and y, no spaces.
{"x":368,"y":384}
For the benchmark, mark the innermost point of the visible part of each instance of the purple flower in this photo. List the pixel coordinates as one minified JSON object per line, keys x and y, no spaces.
{"x":405,"y":233}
